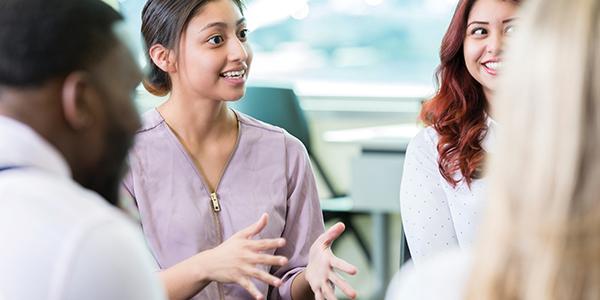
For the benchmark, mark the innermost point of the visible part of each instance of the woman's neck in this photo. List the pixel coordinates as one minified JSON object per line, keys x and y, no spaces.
{"x":198,"y":121}
{"x":488,"y":98}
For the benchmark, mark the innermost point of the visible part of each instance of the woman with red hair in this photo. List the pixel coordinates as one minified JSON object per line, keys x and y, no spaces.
{"x":442,"y":187}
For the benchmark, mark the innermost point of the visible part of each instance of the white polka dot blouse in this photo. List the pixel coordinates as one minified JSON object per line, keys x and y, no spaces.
{"x":436,"y":216}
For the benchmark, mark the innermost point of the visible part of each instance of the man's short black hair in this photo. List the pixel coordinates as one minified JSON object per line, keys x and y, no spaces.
{"x":46,"y":39}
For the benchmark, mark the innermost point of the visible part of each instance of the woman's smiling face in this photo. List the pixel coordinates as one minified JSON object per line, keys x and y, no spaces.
{"x":488,"y":24}
{"x":214,"y":57}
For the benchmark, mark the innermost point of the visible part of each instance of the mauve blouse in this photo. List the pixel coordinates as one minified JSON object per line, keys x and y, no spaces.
{"x":269,"y":171}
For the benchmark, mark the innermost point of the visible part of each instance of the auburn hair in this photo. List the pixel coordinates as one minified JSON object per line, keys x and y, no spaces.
{"x":457,"y":111}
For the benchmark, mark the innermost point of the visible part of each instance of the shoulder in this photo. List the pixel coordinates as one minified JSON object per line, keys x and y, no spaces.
{"x":93,"y":266}
{"x":103,"y":233}
{"x":443,"y":276}
{"x":151,"y":119}
{"x":425,"y":138}
{"x":150,"y":140}
{"x":252,"y":123}
{"x":80,"y":219}
{"x":422,"y":149}
{"x":73,"y":207}
{"x":293,"y":146}
{"x":66,"y":195}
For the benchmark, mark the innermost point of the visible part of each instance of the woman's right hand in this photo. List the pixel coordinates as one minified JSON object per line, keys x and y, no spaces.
{"x":236,"y":259}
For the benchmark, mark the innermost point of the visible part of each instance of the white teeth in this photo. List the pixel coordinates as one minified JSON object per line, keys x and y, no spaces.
{"x":493,"y":65}
{"x":239,"y":73}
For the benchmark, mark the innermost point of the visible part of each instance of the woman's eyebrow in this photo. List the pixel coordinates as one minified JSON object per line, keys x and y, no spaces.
{"x":222,"y":24}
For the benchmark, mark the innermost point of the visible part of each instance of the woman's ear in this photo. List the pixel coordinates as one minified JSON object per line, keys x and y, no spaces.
{"x":77,"y":109}
{"x":162,"y":57}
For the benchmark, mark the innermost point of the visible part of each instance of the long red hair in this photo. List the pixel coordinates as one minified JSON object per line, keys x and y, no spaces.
{"x":458,"y":110}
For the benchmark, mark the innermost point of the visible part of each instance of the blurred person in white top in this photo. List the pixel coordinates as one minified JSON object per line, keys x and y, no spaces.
{"x":541,"y":233}
{"x":66,"y":123}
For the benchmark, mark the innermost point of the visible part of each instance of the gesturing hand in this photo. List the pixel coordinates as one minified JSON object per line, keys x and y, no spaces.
{"x":235,"y":259}
{"x":320,"y":272}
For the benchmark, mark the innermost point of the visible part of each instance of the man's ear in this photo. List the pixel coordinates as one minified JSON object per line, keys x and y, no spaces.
{"x":76,"y":99}
{"x":162,"y":57}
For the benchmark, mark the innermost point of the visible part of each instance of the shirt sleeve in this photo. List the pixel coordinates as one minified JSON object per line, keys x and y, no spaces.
{"x":304,"y":220}
{"x":110,"y":261}
{"x":127,"y":202}
{"x":128,"y":205}
{"x":424,"y":206}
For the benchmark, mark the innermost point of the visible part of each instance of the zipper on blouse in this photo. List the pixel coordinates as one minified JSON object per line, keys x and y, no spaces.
{"x":216,"y":208}
{"x":215,"y":202}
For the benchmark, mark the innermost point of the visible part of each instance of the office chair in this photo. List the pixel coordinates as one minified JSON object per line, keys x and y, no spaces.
{"x":281,"y":107}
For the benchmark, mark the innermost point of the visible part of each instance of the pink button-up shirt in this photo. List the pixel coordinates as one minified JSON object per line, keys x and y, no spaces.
{"x":269,"y":171}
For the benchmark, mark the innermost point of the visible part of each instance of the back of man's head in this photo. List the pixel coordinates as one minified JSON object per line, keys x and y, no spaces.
{"x":45,"y":39}
{"x":65,"y":73}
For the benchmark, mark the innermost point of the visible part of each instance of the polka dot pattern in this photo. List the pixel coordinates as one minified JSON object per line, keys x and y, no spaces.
{"x":436,"y":217}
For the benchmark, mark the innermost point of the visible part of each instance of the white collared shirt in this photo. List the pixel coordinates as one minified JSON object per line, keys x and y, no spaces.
{"x":435,"y":215}
{"x":59,"y":240}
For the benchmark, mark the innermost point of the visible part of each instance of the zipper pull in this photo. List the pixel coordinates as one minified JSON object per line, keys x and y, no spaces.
{"x":215,"y":202}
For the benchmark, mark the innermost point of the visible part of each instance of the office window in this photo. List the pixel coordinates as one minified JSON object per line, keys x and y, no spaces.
{"x":113,"y":3}
{"x":343,"y":43}
{"x":360,"y":41}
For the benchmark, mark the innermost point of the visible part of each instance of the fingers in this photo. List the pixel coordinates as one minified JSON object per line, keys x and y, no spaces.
{"x":332,"y":234}
{"x":343,"y":285}
{"x":319,"y":295}
{"x":328,"y":292}
{"x":342,"y":265}
{"x":271,"y":260}
{"x":251,"y":288}
{"x":267,"y":244}
{"x":264,"y":276}
{"x":255,"y":228}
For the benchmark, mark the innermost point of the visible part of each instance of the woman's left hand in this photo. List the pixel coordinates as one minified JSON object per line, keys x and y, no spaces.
{"x":322,"y":263}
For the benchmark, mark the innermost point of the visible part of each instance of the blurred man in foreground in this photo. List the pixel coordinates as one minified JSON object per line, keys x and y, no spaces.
{"x":66,"y":124}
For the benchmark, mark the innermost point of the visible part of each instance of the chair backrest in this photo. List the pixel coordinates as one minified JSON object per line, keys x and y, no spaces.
{"x":276,"y":106}
{"x":281,"y":107}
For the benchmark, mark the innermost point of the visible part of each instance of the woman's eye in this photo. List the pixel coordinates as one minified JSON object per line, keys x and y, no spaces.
{"x":243,"y":34}
{"x":479,"y":31}
{"x":509,"y":29}
{"x":216,"y":40}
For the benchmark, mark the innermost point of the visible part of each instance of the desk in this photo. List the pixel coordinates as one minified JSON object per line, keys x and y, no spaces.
{"x":375,"y":184}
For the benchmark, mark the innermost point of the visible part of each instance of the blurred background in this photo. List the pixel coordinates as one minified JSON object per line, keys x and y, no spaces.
{"x":359,"y":70}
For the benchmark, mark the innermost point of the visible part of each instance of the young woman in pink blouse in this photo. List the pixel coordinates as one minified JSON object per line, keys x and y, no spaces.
{"x":202,"y":174}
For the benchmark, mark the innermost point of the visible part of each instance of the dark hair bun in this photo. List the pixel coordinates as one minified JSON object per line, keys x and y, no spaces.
{"x":157,"y":82}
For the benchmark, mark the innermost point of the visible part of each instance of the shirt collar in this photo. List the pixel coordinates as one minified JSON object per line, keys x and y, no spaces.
{"x":21,"y":146}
